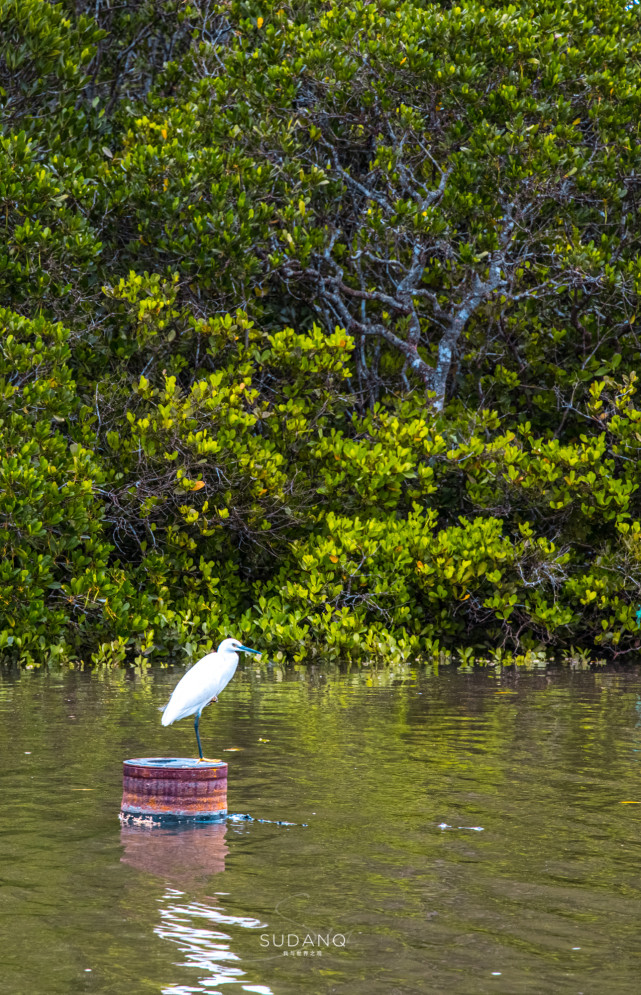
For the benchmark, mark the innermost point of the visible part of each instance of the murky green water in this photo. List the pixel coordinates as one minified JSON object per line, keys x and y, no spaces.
{"x":465,"y":834}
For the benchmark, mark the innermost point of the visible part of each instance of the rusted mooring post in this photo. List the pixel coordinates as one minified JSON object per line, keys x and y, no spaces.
{"x":170,"y":789}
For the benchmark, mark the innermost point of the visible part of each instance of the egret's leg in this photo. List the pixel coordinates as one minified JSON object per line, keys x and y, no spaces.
{"x":196,"y":721}
{"x":200,"y":749}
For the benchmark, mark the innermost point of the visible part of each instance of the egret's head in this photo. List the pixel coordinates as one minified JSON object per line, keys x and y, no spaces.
{"x":234,"y":646}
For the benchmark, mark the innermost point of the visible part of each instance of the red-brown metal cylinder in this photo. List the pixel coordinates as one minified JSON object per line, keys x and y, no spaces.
{"x":174,"y":788}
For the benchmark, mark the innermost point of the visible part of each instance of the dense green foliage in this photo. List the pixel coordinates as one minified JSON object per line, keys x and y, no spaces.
{"x":318,"y":322}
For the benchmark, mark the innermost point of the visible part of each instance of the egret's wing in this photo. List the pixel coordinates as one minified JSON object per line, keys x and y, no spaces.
{"x":195,"y":690}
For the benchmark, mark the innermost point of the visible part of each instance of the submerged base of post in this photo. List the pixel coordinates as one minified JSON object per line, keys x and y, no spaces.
{"x":174,"y":789}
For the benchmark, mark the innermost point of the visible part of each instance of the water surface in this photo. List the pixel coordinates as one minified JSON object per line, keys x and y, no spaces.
{"x":460,"y":833}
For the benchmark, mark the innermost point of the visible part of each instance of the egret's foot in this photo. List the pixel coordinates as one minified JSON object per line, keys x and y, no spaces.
{"x":208,"y":760}
{"x":213,"y":700}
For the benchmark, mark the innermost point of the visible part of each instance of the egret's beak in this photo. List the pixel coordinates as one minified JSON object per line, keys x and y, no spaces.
{"x":246,"y":649}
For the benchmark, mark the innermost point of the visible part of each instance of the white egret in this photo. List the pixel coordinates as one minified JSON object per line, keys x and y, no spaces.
{"x":202,"y":684}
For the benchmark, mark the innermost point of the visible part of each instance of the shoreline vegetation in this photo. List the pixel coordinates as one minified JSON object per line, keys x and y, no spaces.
{"x":318,"y":322}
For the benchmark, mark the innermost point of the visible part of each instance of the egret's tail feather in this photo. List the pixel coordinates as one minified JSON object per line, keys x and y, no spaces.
{"x":167,"y":717}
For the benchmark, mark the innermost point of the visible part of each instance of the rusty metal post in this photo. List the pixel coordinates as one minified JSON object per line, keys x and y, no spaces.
{"x":169,"y":789}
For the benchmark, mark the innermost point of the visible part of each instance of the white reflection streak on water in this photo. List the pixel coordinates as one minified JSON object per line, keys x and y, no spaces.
{"x":205,"y":949}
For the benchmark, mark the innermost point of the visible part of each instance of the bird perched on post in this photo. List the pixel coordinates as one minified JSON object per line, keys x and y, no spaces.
{"x":203,"y":683}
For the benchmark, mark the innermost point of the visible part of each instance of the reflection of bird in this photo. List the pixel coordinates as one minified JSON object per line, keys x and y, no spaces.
{"x":203,"y":683}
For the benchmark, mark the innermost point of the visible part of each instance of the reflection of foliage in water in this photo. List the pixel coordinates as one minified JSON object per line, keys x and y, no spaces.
{"x":374,"y":763}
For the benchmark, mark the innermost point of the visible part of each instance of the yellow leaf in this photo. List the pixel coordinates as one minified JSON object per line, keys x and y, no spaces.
{"x":334,"y":559}
{"x":163,"y":132}
{"x":165,"y":183}
{"x":578,"y":121}
{"x":419,"y":564}
{"x":198,"y":486}
{"x":403,"y":60}
{"x":259,"y":23}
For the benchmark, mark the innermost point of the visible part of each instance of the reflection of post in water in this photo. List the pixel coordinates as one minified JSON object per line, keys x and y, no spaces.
{"x":185,"y":853}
